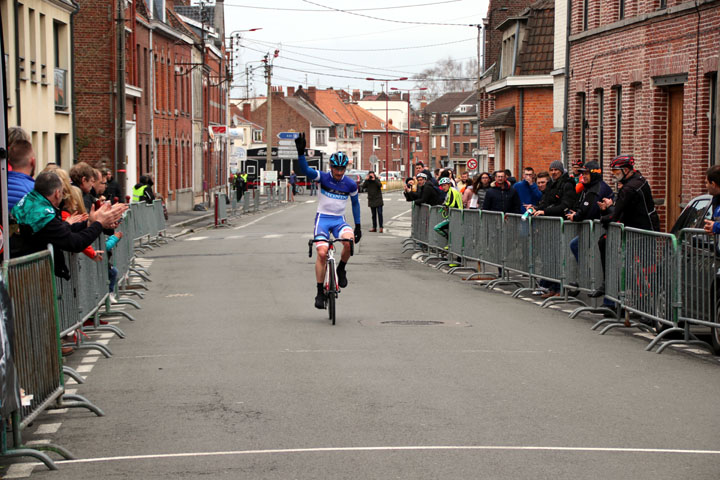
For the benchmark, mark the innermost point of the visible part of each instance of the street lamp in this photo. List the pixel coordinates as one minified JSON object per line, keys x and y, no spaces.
{"x":387,"y":98}
{"x":409,"y":90}
{"x":236,"y":35}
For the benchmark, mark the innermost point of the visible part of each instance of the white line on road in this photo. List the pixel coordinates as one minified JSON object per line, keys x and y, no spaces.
{"x":194,"y":239}
{"x":397,"y":449}
{"x":272,"y":235}
{"x":20,"y":470}
{"x":401,"y":214}
{"x":262,"y":218}
{"x":47,"y":428}
{"x":84,"y":368}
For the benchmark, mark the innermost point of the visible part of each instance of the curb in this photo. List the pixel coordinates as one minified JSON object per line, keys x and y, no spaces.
{"x":192,"y":220}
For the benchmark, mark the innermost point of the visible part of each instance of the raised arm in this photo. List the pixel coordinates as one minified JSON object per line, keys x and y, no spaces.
{"x":305,"y":169}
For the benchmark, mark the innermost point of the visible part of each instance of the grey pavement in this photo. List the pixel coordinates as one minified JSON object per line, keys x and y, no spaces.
{"x":229,"y":372}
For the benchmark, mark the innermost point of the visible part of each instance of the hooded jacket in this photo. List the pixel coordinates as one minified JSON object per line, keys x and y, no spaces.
{"x":559,"y":197}
{"x":502,"y":198}
{"x":427,"y":195}
{"x":586,"y":207}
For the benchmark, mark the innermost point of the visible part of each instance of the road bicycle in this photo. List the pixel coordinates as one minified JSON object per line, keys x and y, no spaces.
{"x":299,"y":189}
{"x":331,"y":289}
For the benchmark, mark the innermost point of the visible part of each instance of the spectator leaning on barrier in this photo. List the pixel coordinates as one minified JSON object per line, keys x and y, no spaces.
{"x":142,"y":191}
{"x":373,"y":187}
{"x":83,"y":177}
{"x":560,"y":195}
{"x":527,"y":189}
{"x":501,"y":197}
{"x":38,"y":216}
{"x":21,"y":158}
{"x":425,"y":193}
{"x":713,"y":187}
{"x":543,"y":180}
{"x":464,"y":182}
{"x":453,"y":199}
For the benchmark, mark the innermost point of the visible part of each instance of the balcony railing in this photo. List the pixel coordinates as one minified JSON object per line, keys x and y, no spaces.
{"x":60,"y":89}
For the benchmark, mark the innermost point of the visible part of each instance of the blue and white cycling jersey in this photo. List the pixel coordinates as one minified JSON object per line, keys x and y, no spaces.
{"x":333,"y":194}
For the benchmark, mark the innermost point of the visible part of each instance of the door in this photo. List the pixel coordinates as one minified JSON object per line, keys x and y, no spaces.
{"x":674,"y":154}
{"x":509,"y":157}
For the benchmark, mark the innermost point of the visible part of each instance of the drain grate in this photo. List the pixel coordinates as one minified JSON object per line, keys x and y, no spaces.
{"x":421,"y":323}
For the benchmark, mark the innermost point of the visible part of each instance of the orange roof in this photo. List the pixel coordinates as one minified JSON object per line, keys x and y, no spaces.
{"x":366,"y":120}
{"x":330,"y":103}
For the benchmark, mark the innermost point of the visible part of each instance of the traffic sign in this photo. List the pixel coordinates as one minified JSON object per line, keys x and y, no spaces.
{"x":288,"y":135}
{"x":472,"y":164}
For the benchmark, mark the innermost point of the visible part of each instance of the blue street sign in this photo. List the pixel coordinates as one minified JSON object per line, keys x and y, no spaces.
{"x":288,"y":135}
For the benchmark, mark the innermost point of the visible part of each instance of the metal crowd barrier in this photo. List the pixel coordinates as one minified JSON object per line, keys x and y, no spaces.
{"x":656,"y":279}
{"x":221,"y":212}
{"x":36,"y":347}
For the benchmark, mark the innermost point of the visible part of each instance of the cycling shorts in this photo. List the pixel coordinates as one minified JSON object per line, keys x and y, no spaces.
{"x":330,"y":224}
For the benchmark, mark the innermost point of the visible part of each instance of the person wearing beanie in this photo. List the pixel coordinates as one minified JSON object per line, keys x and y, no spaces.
{"x":557,"y":165}
{"x":560,"y":195}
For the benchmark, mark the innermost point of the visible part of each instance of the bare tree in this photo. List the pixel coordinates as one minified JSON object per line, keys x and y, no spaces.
{"x":447,"y":75}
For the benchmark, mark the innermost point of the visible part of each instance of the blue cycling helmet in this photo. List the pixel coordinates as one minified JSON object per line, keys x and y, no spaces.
{"x":339,"y":160}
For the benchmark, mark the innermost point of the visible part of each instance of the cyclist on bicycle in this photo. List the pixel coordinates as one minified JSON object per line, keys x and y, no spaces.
{"x":335,"y":189}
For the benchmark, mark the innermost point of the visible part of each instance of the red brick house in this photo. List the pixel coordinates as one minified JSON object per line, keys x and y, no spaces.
{"x":644,"y":81}
{"x":462,"y":136}
{"x":523,"y":88}
{"x":437,"y":115}
{"x":371,"y":131}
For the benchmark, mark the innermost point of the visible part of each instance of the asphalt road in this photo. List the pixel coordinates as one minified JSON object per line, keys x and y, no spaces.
{"x":229,"y":372}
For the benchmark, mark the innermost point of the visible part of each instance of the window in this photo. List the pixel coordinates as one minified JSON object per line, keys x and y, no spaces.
{"x":601,"y":123}
{"x":621,"y":9}
{"x":376,"y":142}
{"x":418,"y":146}
{"x":456,"y":129}
{"x":257,"y":136}
{"x":466,"y":129}
{"x":321,"y":137}
{"x":466,"y":148}
{"x":443,"y":141}
{"x":714,"y":134}
{"x":444,"y":119}
{"x":434,"y":142}
{"x":663,"y":3}
{"x":586,"y":7}
{"x":456,"y":148}
{"x":618,"y":119}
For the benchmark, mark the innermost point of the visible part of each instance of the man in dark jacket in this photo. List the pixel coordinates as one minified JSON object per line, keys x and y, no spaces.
{"x":560,"y":196}
{"x":373,"y":186}
{"x":112,"y":189}
{"x":38,"y":217}
{"x":634,"y":206}
{"x":426,"y":193}
{"x":501,"y":197}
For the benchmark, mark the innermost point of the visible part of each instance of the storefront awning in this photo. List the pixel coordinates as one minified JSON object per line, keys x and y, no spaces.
{"x":500,"y":118}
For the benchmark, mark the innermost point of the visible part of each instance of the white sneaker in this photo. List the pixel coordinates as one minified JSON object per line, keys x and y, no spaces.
{"x":540,"y":291}
{"x":113,"y":299}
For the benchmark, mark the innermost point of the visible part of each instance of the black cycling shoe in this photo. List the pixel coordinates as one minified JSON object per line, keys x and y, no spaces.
{"x":320,"y":301}
{"x":598,"y":292}
{"x":342,"y":278}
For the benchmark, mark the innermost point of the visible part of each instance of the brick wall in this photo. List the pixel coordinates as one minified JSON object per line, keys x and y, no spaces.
{"x":284,"y":118}
{"x":629,"y":58}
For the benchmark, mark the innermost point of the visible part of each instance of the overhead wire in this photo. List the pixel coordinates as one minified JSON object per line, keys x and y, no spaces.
{"x":389,"y":19}
{"x":262,"y":42}
{"x":350,"y":10}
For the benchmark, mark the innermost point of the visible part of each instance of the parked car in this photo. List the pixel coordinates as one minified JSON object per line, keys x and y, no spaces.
{"x":394,"y":176}
{"x":358,"y":176}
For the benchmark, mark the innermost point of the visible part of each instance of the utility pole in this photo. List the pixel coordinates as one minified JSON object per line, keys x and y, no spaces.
{"x":268,"y":129}
{"x":119,"y":167}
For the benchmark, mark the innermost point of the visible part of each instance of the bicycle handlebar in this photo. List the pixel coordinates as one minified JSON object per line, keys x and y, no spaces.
{"x":322,"y":240}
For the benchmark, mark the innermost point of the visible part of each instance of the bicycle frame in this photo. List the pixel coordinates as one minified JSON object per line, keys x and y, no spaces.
{"x":331,"y":286}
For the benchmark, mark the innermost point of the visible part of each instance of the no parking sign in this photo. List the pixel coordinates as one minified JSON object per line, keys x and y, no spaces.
{"x":472,"y":164}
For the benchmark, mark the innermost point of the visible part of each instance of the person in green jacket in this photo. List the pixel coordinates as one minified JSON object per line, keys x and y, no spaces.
{"x":453,"y":199}
{"x":142,"y":191}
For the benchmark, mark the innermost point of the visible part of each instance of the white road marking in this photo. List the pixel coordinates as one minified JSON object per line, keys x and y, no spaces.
{"x":71,"y":391}
{"x":272,"y":235}
{"x":399,"y":449}
{"x":104,"y":341}
{"x":233,"y":237}
{"x":262,"y":218}
{"x":401,"y":214}
{"x":106,"y":335}
{"x":194,"y":239}
{"x":58,"y":411}
{"x":48,"y":428}
{"x":20,"y":470}
{"x":84,"y":368}
{"x":90,"y":359}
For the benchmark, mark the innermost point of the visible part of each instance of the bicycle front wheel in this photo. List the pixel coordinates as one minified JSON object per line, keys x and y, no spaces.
{"x":331,"y":293}
{"x":299,"y":190}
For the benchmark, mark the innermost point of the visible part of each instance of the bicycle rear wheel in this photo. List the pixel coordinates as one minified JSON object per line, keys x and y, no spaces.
{"x":331,"y":293}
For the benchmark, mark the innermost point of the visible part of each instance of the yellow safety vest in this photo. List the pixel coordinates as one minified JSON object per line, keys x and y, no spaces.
{"x":137,"y":193}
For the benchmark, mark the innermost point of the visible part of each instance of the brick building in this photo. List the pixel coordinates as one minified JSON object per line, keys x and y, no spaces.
{"x":644,"y":81}
{"x":333,"y":106}
{"x":462,"y":136}
{"x":523,"y":89}
{"x":371,"y":131}
{"x":437,"y":115}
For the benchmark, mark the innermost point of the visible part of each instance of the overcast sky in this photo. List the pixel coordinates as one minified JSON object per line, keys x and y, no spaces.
{"x":315,"y":42}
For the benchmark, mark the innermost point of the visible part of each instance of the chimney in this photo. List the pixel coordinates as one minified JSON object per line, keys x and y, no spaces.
{"x":356,"y":95}
{"x":423,"y":104}
{"x":277,"y":91}
{"x":366,"y":93}
{"x":246,"y":111}
{"x":312,"y":93}
{"x":290,"y":91}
